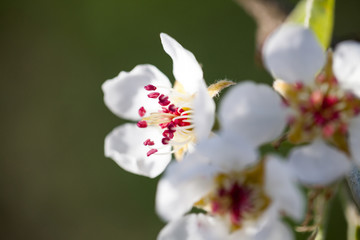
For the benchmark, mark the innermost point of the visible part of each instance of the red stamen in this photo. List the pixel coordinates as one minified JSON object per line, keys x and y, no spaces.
{"x":164,"y":100}
{"x":150,"y":87}
{"x":172,"y":108}
{"x":142,"y":124}
{"x":163,"y":125}
{"x":153,"y":95}
{"x":330,"y":101}
{"x":168,"y":134}
{"x":151,"y":151}
{"x":299,"y":85}
{"x":165,"y":141}
{"x":148,"y":142}
{"x":171,"y":126}
{"x":142,"y":111}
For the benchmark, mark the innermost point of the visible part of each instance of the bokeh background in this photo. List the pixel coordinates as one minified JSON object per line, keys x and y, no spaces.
{"x":55,"y":182}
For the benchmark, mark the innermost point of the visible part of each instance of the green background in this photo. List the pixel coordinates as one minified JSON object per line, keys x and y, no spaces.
{"x":55,"y":182}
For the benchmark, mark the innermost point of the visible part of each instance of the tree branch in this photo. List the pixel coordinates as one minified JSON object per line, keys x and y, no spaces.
{"x":268,"y":15}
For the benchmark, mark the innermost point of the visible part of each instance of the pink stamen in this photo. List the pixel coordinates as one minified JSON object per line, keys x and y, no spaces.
{"x":148,"y":142}
{"x":142,"y":111}
{"x":142,"y":124}
{"x":153,"y":95}
{"x":328,"y":131}
{"x":151,"y":151}
{"x":150,"y":87}
{"x":215,"y":206}
{"x":316,"y":98}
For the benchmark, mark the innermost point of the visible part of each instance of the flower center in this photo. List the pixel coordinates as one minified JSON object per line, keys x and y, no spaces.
{"x":322,"y":109}
{"x":238,"y":196}
{"x":175,"y":122}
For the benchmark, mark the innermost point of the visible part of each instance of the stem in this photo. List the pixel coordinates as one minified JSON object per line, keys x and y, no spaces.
{"x":268,"y":15}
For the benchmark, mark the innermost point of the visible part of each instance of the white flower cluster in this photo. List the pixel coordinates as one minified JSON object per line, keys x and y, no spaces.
{"x":242,"y":194}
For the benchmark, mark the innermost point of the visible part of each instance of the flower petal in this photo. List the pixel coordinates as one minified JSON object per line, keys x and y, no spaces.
{"x":354,"y":139}
{"x":124,"y":95}
{"x":346,"y":65}
{"x":204,"y":113}
{"x":254,"y":111}
{"x":275,"y":230}
{"x":318,"y":163}
{"x":183,"y":184}
{"x":186,"y":69}
{"x":293,"y":54}
{"x":125,"y":146}
{"x":280,"y":184}
{"x":194,"y":227}
{"x":228,"y":152}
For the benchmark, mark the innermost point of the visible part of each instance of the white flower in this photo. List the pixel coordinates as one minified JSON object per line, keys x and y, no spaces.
{"x":243,"y":196}
{"x":170,"y":119}
{"x":321,"y":91}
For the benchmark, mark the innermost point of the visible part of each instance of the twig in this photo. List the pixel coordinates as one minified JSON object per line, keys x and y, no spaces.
{"x":268,"y":14}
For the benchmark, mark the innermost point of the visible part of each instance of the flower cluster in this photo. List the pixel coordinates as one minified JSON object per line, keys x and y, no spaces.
{"x":240,"y":192}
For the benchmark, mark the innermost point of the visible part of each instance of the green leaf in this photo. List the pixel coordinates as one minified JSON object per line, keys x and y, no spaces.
{"x":317,"y":15}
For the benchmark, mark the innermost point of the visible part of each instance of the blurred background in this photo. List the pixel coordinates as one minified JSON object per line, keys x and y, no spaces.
{"x":55,"y":182}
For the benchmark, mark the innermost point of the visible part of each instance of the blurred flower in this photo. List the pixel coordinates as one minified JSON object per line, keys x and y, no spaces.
{"x":242,"y":193}
{"x":243,"y":197}
{"x":321,"y":92}
{"x":170,"y":119}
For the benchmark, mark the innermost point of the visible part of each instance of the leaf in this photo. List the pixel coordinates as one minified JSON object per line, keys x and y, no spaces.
{"x":318,"y":15}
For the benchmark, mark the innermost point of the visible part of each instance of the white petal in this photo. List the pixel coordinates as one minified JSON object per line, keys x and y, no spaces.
{"x":125,"y":146}
{"x":194,"y":227}
{"x":319,"y":163}
{"x":346,"y":65}
{"x":275,"y":230}
{"x":228,"y":152}
{"x":183,"y":184}
{"x":125,"y":94}
{"x":204,"y":113}
{"x":280,"y":184}
{"x":254,"y":111}
{"x":354,"y":139}
{"x":293,"y":54}
{"x":186,"y":69}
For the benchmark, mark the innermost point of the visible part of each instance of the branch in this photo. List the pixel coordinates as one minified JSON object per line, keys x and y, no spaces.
{"x":268,"y":15}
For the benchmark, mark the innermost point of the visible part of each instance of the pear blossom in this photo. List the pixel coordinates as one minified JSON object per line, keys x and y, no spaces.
{"x":243,"y":194}
{"x":244,"y":197}
{"x":321,"y":94}
{"x":170,"y":119}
